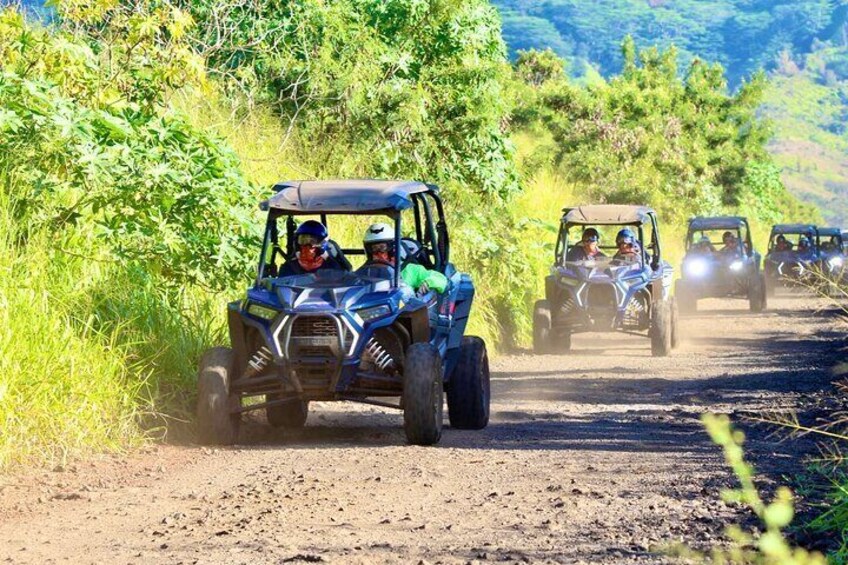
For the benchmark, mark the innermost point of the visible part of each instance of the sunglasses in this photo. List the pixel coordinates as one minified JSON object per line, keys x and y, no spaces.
{"x":380,"y":248}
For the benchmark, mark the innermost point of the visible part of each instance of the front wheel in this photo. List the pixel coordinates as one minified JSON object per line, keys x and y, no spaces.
{"x":217,"y":419}
{"x":541,"y":327}
{"x":660,"y":331}
{"x":468,"y":389}
{"x":423,"y":390}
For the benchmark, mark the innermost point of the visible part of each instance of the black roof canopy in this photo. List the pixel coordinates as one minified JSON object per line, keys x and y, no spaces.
{"x":830,"y":231}
{"x":794,"y":228}
{"x":356,"y":196}
{"x":716,"y":223}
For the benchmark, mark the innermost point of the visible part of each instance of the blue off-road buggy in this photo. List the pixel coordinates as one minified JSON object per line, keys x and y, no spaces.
{"x":832,"y":254}
{"x":720,"y":262}
{"x":607,"y":292}
{"x":793,"y":258}
{"x":339,"y":334}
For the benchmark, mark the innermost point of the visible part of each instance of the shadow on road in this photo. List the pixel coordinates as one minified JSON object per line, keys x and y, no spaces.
{"x":617,"y":406}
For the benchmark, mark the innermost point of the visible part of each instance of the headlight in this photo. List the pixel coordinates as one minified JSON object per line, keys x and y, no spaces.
{"x":736,"y":266}
{"x":262,"y":311}
{"x":371,"y":314}
{"x":697,"y":267}
{"x":569,"y":281}
{"x":835,"y":262}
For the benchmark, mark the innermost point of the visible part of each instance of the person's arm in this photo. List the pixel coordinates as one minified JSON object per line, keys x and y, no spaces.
{"x":416,"y":276}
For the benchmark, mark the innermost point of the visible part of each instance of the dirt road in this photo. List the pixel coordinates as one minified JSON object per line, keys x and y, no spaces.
{"x":593,"y":457}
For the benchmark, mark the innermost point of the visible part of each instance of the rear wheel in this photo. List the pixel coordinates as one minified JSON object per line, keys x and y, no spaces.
{"x":423,"y":390}
{"x":686,"y":301}
{"x":769,"y":286}
{"x":542,"y":327}
{"x":468,"y":389}
{"x":289,"y":415}
{"x":660,"y":331}
{"x":675,"y":323}
{"x":560,"y":340}
{"x":217,"y":419}
{"x":757,"y":294}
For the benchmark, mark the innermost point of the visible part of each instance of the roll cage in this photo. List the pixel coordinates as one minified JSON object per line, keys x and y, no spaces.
{"x":794,"y":229}
{"x":727,"y":223}
{"x":342,"y":198}
{"x":639,"y":218}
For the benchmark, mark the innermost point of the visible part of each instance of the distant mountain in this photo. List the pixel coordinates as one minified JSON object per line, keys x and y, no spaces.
{"x":743,"y":35}
{"x":803,"y":44}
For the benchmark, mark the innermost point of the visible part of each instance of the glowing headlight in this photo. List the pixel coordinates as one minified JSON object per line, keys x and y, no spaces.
{"x":262,"y":311}
{"x":371,"y":314}
{"x":736,"y":266}
{"x":835,"y":262}
{"x":697,"y":267}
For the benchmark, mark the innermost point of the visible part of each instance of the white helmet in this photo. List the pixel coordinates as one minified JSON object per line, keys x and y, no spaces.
{"x":378,"y":233}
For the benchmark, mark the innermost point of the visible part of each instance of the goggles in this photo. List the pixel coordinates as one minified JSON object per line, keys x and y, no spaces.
{"x":305,"y":239}
{"x":591,"y":238}
{"x":626,"y":240}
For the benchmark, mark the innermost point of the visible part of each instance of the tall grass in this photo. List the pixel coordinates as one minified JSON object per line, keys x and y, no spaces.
{"x":65,"y":386}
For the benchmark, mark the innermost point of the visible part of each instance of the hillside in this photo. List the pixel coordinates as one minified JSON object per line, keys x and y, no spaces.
{"x":799,"y":43}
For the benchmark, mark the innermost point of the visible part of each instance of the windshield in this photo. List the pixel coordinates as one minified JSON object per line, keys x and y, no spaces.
{"x":722,"y":242}
{"x":799,"y":242}
{"x":603,"y":246}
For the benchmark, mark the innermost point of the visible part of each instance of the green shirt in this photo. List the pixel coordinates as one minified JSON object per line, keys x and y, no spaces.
{"x":414,"y":275}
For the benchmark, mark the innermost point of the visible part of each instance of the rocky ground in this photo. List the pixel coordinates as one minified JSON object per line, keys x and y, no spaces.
{"x":593,"y":457}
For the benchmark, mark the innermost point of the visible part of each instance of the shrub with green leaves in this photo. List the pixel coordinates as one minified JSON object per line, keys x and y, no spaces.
{"x":161,"y":193}
{"x":399,"y":88}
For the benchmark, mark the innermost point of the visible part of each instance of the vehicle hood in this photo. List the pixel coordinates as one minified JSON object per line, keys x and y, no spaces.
{"x":330,"y":290}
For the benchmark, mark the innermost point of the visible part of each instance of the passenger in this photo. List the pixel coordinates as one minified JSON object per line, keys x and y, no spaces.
{"x":379,"y":243}
{"x":731,"y":244}
{"x":588,"y":248}
{"x":803,"y":244}
{"x":312,"y":251}
{"x":629,"y":250}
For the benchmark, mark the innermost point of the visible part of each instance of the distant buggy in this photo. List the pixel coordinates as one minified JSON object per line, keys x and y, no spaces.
{"x":345,"y":335}
{"x":793,"y":258}
{"x":832,"y":254}
{"x":720,"y":262}
{"x":607,"y":293}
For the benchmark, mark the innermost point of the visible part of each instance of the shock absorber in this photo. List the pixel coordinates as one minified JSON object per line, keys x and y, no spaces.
{"x":258,"y":362}
{"x":381,"y":358}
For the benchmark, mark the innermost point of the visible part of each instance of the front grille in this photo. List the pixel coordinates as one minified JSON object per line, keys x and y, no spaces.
{"x":314,"y":336}
{"x":314,"y":326}
{"x":601,"y":296}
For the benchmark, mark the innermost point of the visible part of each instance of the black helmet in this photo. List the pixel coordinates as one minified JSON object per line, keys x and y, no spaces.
{"x":625,"y":236}
{"x":591,"y":234}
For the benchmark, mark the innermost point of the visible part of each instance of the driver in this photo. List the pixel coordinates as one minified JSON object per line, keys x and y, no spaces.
{"x":588,"y":248}
{"x":379,"y":243}
{"x":312,"y":251}
{"x":629,"y":250}
{"x":730,"y":243}
{"x":781,"y":244}
{"x":803,"y":244}
{"x":704,"y":246}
